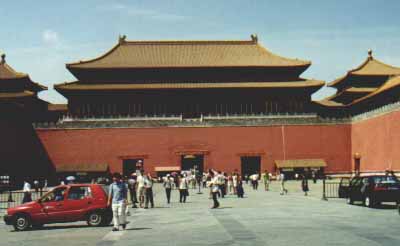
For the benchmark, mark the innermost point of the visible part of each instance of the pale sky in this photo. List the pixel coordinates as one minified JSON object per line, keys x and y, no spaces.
{"x":40,"y":37}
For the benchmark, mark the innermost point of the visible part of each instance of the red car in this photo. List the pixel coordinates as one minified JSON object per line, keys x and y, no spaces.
{"x":65,"y":203}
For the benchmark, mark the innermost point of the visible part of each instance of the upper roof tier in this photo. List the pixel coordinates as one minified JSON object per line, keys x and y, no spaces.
{"x":9,"y":79}
{"x":370,"y":67}
{"x":180,"y":54}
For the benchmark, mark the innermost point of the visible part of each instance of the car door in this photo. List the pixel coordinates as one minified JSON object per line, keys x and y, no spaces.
{"x":357,"y":190}
{"x":53,"y":205}
{"x":78,"y":200}
{"x":353,"y":188}
{"x":344,"y":188}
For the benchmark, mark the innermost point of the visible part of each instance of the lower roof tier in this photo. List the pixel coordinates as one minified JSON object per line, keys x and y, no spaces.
{"x":80,"y":87}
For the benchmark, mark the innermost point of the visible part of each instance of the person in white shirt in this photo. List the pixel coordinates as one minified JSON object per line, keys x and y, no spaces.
{"x":27,"y":192}
{"x":254,"y":181}
{"x":235,"y":182}
{"x":183,"y":188}
{"x":168,"y":185}
{"x":140,"y":187}
{"x":132,"y":189}
{"x":214,"y":185}
{"x":148,"y":185}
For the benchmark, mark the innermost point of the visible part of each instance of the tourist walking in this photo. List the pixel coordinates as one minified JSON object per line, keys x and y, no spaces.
{"x":235,"y":182}
{"x":304,"y":184}
{"x":265,"y":178}
{"x":168,"y":185}
{"x":314,"y":177}
{"x":140,"y":188}
{"x":183,"y":188}
{"x":240,"y":189}
{"x":148,"y":185}
{"x":117,"y":197}
{"x":254,"y":181}
{"x":27,"y":192}
{"x":132,"y":189}
{"x":230,"y":184}
{"x":214,"y":185}
{"x":36,"y":185}
{"x":221,"y":183}
{"x":282,"y":180}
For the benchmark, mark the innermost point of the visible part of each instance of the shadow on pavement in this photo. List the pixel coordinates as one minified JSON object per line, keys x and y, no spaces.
{"x":138,"y":229}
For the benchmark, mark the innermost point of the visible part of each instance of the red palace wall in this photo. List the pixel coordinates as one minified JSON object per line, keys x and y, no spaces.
{"x":377,"y":140}
{"x":221,"y":146}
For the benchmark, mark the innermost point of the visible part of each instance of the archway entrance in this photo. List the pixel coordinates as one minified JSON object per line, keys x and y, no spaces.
{"x":189,"y":161}
{"x":129,"y":166}
{"x":250,"y":165}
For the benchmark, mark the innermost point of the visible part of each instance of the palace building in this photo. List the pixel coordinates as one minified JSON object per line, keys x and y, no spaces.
{"x":21,"y":151}
{"x":188,"y":78}
{"x":226,"y":105}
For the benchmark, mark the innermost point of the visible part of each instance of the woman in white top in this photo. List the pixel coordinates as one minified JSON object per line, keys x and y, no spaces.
{"x":183,"y":188}
{"x":235,"y":182}
{"x":214,"y":184}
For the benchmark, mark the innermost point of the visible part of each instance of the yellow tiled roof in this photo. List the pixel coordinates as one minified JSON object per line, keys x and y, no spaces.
{"x":370,"y":67}
{"x":292,"y":84}
{"x":389,"y":84}
{"x":11,"y":95}
{"x":360,"y":89}
{"x":57,"y":107}
{"x":7,"y":72}
{"x":330,"y":103}
{"x":143,"y":54}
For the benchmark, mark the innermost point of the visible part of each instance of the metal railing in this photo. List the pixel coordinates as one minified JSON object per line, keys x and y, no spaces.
{"x":331,"y":189}
{"x":10,"y":199}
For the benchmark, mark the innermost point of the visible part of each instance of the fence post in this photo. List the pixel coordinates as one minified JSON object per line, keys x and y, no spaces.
{"x":324,"y":190}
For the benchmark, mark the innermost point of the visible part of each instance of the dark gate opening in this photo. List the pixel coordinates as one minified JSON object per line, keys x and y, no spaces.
{"x":190,"y":161}
{"x":250,"y":165}
{"x":129,"y":166}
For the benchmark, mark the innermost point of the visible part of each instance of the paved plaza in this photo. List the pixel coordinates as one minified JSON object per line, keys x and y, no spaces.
{"x":261,"y":218}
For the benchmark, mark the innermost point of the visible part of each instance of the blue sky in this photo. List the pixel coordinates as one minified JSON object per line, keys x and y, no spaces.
{"x":39,"y":37}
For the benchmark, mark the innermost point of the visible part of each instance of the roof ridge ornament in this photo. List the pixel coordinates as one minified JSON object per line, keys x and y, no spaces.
{"x":370,"y":54}
{"x":3,"y":58}
{"x":121,"y":39}
{"x":254,"y":38}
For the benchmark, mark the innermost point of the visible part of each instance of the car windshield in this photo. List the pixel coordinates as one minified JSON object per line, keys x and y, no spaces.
{"x":54,"y":195}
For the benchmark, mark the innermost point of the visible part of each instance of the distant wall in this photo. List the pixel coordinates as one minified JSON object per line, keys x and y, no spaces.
{"x":377,"y":140}
{"x":222,"y":146}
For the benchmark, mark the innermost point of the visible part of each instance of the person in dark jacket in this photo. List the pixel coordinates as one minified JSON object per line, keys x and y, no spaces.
{"x":240,"y":190}
{"x":304,"y":184}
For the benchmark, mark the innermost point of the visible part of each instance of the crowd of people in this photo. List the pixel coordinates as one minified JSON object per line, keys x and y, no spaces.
{"x":139,"y":188}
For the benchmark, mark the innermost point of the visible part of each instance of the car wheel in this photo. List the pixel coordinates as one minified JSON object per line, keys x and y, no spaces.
{"x":349,"y":200}
{"x":22,"y":222}
{"x":368,"y":202}
{"x":95,"y":218}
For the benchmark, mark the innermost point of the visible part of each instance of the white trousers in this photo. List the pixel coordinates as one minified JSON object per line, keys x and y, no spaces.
{"x":119,"y":210}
